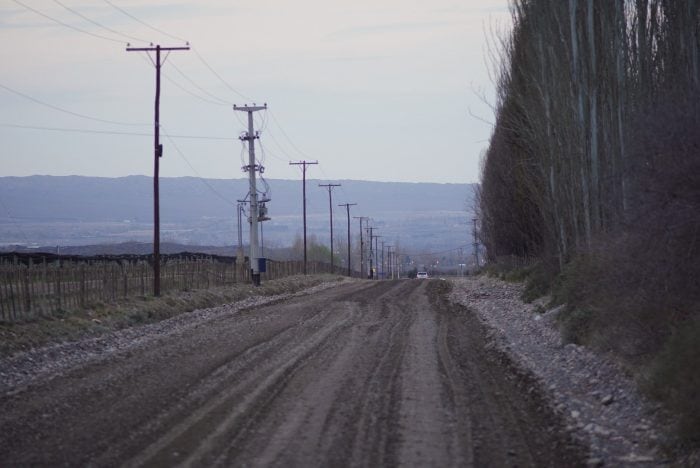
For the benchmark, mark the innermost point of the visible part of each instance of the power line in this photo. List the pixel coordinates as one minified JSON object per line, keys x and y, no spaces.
{"x":66,"y":111}
{"x":222,"y":101}
{"x":211,"y":69}
{"x":265,"y":150}
{"x":286,"y":136}
{"x":432,"y":253}
{"x":110,"y":132}
{"x":69,"y":26}
{"x":178,"y":85}
{"x":202,"y":179}
{"x":106,"y":28}
{"x":126,"y":13}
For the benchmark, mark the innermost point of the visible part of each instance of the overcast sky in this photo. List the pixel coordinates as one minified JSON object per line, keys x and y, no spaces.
{"x":373,"y":89}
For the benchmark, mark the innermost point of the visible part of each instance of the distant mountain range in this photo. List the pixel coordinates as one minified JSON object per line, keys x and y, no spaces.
{"x":76,"y":210}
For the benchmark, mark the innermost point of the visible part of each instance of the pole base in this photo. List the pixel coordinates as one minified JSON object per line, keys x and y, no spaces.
{"x":255,"y":277}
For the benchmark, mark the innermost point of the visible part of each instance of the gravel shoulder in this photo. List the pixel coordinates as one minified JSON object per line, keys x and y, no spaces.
{"x":601,"y":405}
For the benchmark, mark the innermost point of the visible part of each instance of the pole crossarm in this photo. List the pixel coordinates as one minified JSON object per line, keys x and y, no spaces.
{"x":154,"y":48}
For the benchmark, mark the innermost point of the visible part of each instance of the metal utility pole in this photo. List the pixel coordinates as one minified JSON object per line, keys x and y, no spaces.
{"x":362,"y":246}
{"x":476,"y":244}
{"x":239,"y":254}
{"x":158,"y":153}
{"x":330,"y":209}
{"x":347,"y":207}
{"x":252,"y":168}
{"x":303,"y":165}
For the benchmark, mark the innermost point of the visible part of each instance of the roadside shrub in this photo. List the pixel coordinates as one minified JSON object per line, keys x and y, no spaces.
{"x":538,"y":281}
{"x":674,"y":379}
{"x":576,"y":325}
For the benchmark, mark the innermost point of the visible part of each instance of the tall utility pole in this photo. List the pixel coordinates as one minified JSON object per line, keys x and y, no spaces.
{"x":389,"y":266}
{"x":376,"y":250}
{"x":383,"y":264}
{"x":476,"y":244}
{"x":362,"y":246}
{"x":239,"y":253}
{"x":158,"y":153}
{"x":330,"y":209}
{"x":347,"y":207}
{"x":252,"y":168}
{"x":303,"y":165}
{"x":371,"y":255}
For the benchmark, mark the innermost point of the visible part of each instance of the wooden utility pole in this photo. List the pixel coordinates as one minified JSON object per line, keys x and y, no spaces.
{"x":303,"y":165}
{"x":370,"y":255}
{"x":347,"y":207}
{"x":330,"y":210}
{"x":376,"y":249}
{"x":476,"y":244}
{"x":158,"y":153}
{"x":362,"y":246}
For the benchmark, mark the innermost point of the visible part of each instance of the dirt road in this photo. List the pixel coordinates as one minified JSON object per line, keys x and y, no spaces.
{"x":365,"y":374}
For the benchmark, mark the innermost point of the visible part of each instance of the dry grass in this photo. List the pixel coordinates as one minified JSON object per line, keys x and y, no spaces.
{"x":70,"y":325}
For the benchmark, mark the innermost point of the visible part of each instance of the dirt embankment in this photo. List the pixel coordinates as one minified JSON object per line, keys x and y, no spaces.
{"x":368,"y":373}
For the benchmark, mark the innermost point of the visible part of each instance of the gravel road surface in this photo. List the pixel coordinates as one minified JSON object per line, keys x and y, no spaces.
{"x":364,"y":374}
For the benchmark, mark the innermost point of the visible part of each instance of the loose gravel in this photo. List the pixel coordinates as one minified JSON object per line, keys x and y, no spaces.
{"x":602,"y":406}
{"x":19,"y":371}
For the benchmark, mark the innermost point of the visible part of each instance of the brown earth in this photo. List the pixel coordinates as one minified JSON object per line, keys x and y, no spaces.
{"x":364,"y":374}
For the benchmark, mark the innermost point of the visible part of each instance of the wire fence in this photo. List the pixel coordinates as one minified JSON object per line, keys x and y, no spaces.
{"x":32,"y":287}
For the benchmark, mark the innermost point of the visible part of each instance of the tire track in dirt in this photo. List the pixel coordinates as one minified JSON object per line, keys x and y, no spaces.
{"x":511,"y":423}
{"x":367,"y":374}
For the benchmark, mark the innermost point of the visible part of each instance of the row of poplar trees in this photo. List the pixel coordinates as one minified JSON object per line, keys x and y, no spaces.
{"x":578,"y":80}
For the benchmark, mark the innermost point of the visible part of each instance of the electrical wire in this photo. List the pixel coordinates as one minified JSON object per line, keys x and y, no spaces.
{"x":428,"y":254}
{"x":279,"y":146}
{"x":111,"y":132}
{"x":178,"y":85}
{"x":218,"y":100}
{"x":221,"y":101}
{"x":274,"y":155}
{"x":106,"y":28}
{"x":203,"y":180}
{"x":69,"y":26}
{"x":126,"y":13}
{"x":272,"y":114}
{"x":211,"y":69}
{"x":243,"y":148}
{"x":75,"y":114}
